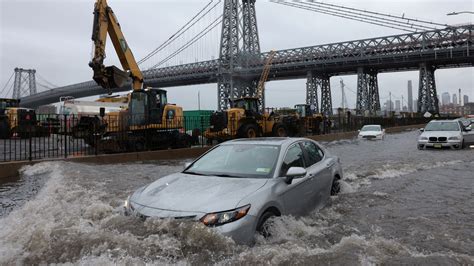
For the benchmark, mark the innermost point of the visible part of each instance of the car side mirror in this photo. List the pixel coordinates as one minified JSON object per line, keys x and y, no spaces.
{"x":468,"y":129}
{"x":294,"y":172}
{"x":358,"y":130}
{"x":422,"y":129}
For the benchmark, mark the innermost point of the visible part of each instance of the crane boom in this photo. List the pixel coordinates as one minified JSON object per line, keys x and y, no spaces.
{"x":112,"y":77}
{"x":265,"y":73}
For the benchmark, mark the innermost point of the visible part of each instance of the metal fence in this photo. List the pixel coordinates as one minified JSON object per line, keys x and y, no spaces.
{"x":63,"y":136}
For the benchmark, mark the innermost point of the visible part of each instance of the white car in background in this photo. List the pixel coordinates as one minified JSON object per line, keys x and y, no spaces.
{"x":372,"y":132}
{"x":445,"y":134}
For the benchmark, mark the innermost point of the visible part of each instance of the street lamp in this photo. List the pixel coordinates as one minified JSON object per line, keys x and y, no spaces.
{"x":461,"y":12}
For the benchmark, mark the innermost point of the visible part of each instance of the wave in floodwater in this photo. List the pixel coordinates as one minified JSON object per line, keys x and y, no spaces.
{"x":76,"y":218}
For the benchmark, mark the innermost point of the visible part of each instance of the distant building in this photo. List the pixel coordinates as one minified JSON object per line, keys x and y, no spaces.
{"x":455,"y":99}
{"x":466,"y":99}
{"x":415,"y":106}
{"x":398,"y":106}
{"x":410,"y":96}
{"x":445,"y":98}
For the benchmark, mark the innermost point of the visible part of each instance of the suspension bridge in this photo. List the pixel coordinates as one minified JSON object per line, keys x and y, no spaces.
{"x":236,"y":62}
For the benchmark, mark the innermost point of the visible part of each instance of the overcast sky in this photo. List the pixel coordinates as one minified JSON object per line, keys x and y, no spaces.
{"x":53,"y":37}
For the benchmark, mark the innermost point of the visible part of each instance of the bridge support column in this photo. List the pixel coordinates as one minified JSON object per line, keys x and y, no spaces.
{"x":368,"y":98}
{"x":312,"y":91}
{"x":427,"y":95}
{"x":326,"y":99}
{"x":320,"y":82}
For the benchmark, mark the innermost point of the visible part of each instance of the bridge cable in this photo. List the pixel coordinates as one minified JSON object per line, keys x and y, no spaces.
{"x":370,"y":17}
{"x":6,"y":84}
{"x":199,"y":16}
{"x":343,"y":16}
{"x":386,"y":15}
{"x":407,"y":24}
{"x":200,"y":35}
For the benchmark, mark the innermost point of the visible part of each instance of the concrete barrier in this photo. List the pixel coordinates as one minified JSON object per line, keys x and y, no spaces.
{"x":10,"y":169}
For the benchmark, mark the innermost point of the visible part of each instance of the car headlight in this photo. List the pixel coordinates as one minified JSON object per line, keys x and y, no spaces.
{"x":423,"y":138}
{"x":220,"y":218}
{"x":453,"y":138}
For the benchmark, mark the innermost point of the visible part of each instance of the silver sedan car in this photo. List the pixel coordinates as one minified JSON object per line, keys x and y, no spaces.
{"x":238,"y":185}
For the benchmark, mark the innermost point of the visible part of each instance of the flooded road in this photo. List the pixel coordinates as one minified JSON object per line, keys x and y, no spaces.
{"x":398,"y":205}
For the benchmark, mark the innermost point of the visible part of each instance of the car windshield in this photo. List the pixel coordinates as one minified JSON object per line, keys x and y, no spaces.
{"x":442,"y":126}
{"x":371,"y":128}
{"x":237,"y":161}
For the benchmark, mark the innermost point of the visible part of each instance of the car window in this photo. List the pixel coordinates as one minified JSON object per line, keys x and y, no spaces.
{"x":442,"y":126}
{"x":293,"y":158}
{"x":315,"y":154}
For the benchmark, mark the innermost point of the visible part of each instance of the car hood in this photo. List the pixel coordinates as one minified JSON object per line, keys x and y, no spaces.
{"x":191,"y":193}
{"x":370,"y":133}
{"x":440,"y":134}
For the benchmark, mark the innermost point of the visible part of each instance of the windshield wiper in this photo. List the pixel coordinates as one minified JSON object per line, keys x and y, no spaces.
{"x":227,"y":175}
{"x":194,"y":173}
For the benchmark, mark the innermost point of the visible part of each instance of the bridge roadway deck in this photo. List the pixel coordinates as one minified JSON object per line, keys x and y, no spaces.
{"x":447,"y":48}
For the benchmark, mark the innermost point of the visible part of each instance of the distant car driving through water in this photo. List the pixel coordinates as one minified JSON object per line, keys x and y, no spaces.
{"x":372,"y":132}
{"x":238,"y":185}
{"x":445,"y":134}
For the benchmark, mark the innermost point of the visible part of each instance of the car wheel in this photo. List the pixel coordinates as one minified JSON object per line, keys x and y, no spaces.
{"x":336,"y":186}
{"x":264,"y":224}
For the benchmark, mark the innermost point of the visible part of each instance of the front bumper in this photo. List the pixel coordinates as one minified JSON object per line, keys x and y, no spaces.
{"x":370,"y":137}
{"x":439,"y":145}
{"x":241,"y":231}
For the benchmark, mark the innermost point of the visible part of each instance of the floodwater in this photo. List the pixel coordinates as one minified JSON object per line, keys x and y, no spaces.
{"x":398,"y":206}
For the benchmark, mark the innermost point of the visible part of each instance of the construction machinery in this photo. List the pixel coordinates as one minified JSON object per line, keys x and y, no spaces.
{"x":149,"y":120}
{"x":309,"y":120}
{"x":18,"y":122}
{"x":246,"y":118}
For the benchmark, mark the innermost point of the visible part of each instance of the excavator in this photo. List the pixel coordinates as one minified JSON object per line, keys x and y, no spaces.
{"x":149,"y":120}
{"x":245,"y":119}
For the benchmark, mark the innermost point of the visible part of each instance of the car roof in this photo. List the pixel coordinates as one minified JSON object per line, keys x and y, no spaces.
{"x":372,"y":126}
{"x":444,"y":121}
{"x":267,"y":141}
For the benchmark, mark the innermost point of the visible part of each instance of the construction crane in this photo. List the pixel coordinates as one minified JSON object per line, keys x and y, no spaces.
{"x":265,"y":73}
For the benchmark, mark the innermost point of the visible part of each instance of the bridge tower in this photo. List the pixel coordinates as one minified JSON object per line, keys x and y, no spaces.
{"x":240,"y":46}
{"x":427,"y":96}
{"x":24,"y":83}
{"x":368,"y":98}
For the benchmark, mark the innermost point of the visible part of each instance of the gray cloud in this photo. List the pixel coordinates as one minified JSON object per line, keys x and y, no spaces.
{"x":54,"y":38}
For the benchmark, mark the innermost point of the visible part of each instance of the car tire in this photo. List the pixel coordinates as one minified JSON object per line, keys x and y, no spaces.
{"x":336,"y":186}
{"x":264,"y":224}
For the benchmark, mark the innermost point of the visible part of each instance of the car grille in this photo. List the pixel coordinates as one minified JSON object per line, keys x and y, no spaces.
{"x":438,"y":139}
{"x":368,"y":137}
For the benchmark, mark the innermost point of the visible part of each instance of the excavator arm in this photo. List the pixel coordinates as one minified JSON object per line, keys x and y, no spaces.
{"x":111,"y":77}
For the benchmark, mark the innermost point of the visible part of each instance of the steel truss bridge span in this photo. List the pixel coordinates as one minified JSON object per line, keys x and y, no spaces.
{"x":446,"y":48}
